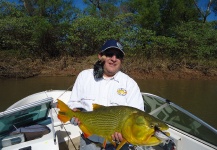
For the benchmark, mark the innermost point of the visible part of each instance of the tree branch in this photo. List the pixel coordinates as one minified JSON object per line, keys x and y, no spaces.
{"x":206,"y":13}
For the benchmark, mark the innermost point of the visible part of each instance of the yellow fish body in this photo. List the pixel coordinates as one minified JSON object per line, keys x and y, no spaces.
{"x":137,"y":127}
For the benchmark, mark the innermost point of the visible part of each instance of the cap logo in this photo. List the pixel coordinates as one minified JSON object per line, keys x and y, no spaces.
{"x":122,"y":91}
{"x":119,"y":46}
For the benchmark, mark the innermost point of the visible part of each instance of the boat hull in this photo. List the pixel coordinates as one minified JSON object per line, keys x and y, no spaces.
{"x":67,"y":135}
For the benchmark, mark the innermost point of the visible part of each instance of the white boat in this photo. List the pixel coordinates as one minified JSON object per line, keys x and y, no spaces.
{"x":187,"y":131}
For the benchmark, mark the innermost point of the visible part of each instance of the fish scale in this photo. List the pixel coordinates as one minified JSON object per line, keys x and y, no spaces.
{"x":107,"y":123}
{"x":137,"y":127}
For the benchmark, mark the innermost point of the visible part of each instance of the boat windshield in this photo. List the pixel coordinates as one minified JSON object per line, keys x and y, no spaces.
{"x":179,"y":118}
{"x":24,"y":115}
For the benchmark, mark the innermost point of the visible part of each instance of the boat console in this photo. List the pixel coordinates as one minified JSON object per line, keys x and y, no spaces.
{"x":24,"y":124}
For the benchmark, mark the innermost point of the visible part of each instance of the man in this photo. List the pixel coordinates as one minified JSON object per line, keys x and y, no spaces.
{"x":105,"y":85}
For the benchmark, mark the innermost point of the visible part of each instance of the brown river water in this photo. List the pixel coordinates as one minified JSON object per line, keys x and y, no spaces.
{"x":196,"y":96}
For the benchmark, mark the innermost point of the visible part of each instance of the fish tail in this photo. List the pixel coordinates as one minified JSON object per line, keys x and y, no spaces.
{"x":64,"y":112}
{"x":63,"y":118}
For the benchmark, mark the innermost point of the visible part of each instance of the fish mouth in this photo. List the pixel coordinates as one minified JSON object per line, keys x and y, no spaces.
{"x":162,"y":135}
{"x":156,"y":128}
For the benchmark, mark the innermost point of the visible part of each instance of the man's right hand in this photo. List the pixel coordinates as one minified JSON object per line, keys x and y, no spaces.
{"x":74,"y":120}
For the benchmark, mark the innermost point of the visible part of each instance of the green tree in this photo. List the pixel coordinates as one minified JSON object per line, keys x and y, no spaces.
{"x":204,"y":13}
{"x":102,"y":8}
{"x":147,"y":13}
{"x":198,"y":40}
{"x":214,"y":6}
{"x":175,"y":12}
{"x":56,"y":11}
{"x":8,"y":9}
{"x":44,"y":31}
{"x":87,"y":33}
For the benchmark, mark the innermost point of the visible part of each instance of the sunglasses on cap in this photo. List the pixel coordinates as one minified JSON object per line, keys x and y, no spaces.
{"x":118,"y":54}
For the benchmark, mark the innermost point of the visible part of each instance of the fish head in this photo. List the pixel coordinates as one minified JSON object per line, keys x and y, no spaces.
{"x":158,"y":125}
{"x":141,"y":130}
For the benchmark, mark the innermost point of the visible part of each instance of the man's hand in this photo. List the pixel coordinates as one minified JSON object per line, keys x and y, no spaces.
{"x":75,"y":121}
{"x":117,"y":137}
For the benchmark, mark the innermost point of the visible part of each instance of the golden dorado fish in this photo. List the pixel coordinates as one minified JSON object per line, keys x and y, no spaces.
{"x":136,"y":126}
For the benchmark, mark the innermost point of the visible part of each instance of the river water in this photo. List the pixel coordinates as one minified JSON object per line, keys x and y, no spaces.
{"x":197,"y":96}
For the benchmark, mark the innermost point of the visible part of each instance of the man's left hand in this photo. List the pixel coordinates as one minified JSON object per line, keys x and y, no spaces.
{"x":117,"y":137}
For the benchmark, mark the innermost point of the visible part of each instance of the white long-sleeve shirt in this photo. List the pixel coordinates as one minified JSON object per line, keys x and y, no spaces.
{"x":118,"y":90}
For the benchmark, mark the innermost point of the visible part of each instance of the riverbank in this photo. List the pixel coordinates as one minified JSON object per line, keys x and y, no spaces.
{"x":136,"y":68}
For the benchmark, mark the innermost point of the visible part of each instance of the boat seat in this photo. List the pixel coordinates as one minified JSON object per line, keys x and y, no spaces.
{"x":23,"y":116}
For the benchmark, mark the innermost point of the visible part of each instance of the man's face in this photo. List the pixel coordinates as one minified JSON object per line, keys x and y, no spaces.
{"x":113,"y":61}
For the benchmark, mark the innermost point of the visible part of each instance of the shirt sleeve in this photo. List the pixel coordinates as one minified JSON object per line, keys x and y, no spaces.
{"x":134,"y":96}
{"x":75,"y":99}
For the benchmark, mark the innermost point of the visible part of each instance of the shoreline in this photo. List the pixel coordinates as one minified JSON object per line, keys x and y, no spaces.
{"x":68,"y":66}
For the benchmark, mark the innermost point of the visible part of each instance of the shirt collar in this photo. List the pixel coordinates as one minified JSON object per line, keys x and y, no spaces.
{"x":115,"y":77}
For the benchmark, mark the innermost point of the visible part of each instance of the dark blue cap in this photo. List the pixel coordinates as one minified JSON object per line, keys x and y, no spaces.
{"x":112,"y":44}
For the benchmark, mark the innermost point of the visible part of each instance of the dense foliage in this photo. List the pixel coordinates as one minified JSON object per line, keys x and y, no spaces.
{"x":172,"y":29}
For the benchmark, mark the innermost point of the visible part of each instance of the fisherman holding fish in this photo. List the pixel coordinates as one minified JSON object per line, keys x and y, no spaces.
{"x":105,"y":85}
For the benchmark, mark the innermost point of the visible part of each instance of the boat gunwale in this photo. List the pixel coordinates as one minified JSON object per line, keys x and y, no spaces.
{"x":188,"y":114}
{"x":184,"y":111}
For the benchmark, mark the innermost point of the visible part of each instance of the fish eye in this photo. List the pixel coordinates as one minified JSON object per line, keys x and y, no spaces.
{"x":157,"y":124}
{"x":152,"y":126}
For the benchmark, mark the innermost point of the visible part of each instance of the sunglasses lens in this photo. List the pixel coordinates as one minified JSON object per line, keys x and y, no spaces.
{"x":111,"y":54}
{"x":120,"y":56}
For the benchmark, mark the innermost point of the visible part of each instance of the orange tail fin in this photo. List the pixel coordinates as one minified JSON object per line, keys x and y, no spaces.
{"x":64,"y":112}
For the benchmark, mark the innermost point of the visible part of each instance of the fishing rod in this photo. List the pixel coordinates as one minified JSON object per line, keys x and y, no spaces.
{"x":62,"y":124}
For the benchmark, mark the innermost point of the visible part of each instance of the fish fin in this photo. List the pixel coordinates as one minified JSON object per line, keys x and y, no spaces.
{"x":111,"y":141}
{"x":121,"y":144}
{"x":62,"y":106}
{"x":104,"y":143}
{"x":149,"y":137}
{"x":96,"y":106}
{"x":64,"y":109}
{"x":85,"y":131}
{"x":153,"y":141}
{"x":63,"y":118}
{"x":85,"y":135}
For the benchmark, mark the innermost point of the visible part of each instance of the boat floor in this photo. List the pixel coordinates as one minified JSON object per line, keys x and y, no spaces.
{"x":68,"y":145}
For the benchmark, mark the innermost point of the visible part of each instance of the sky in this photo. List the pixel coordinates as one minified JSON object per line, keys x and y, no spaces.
{"x":202,"y":4}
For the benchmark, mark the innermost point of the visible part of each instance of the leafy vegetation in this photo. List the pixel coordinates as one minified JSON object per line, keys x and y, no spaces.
{"x":158,"y":29}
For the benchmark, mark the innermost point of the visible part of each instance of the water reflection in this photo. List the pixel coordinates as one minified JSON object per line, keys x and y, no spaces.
{"x":15,"y":89}
{"x":198,"y":97}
